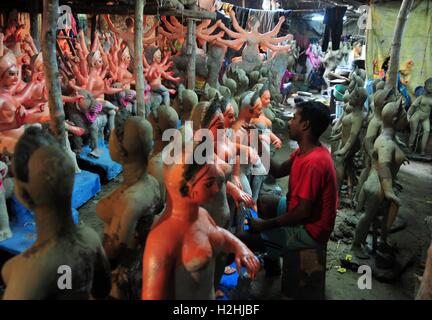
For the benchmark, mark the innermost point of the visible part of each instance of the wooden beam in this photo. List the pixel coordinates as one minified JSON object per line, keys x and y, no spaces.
{"x":397,"y":42}
{"x":49,"y":27}
{"x":191,"y":53}
{"x":34,"y":24}
{"x":194,"y":14}
{"x":91,"y":7}
{"x":138,"y":60}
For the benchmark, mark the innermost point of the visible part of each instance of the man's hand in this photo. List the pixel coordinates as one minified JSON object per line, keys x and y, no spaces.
{"x":256,"y":225}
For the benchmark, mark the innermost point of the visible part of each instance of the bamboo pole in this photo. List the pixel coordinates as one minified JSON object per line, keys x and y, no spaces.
{"x":191,"y":51}
{"x":138,"y":61}
{"x":34,"y":25}
{"x":397,"y":42}
{"x":49,"y":27}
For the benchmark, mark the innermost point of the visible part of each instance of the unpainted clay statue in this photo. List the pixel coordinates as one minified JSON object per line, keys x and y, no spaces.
{"x":204,"y":67}
{"x":425,"y":290}
{"x":44,"y":178}
{"x":419,"y":115}
{"x":188,"y":99}
{"x":241,"y":79}
{"x":162,"y":119}
{"x":330,"y":62}
{"x":179,"y":258}
{"x":127,"y":99}
{"x":88,"y":115}
{"x":6,"y":190}
{"x":129,"y":210}
{"x":253,"y":39}
{"x":277,"y":65}
{"x":350,"y":137}
{"x":128,"y":35}
{"x":210,"y":93}
{"x":377,"y":194}
{"x":355,"y":81}
{"x":381,"y":98}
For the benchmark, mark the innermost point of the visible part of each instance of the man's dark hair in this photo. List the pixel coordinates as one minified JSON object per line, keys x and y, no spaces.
{"x":30,"y":141}
{"x":318,"y":115}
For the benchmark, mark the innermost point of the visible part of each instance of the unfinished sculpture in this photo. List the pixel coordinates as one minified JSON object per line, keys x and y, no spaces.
{"x":207,"y":65}
{"x":240,"y":78}
{"x":187,"y":100}
{"x":129,"y":210}
{"x":127,"y":100}
{"x":156,"y":72}
{"x":179,"y":258}
{"x":377,"y":194}
{"x":330,"y":62}
{"x":128,"y":35}
{"x":262,"y":120}
{"x":277,"y":65}
{"x":419,"y":117}
{"x":122,"y":73}
{"x":208,"y":115}
{"x":44,"y":178}
{"x":87,"y":114}
{"x":251,"y":55}
{"x":350,"y":141}
{"x":96,"y":84}
{"x":6,"y":190}
{"x":425,"y":290}
{"x":380,"y":99}
{"x":13,"y":114}
{"x":162,"y":119}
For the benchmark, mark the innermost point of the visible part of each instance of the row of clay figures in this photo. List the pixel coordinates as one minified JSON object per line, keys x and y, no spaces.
{"x":206,"y":202}
{"x":374,"y":135}
{"x":197,"y":205}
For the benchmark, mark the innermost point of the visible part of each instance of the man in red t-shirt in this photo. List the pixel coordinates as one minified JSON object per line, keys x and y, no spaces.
{"x":305,"y":217}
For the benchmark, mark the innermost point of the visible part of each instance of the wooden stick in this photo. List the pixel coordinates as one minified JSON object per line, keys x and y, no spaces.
{"x":139,"y":69}
{"x":397,"y":42}
{"x":191,"y":51}
{"x":49,"y":26}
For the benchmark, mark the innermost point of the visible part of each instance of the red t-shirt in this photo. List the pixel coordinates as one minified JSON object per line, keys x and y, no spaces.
{"x":313,"y":177}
